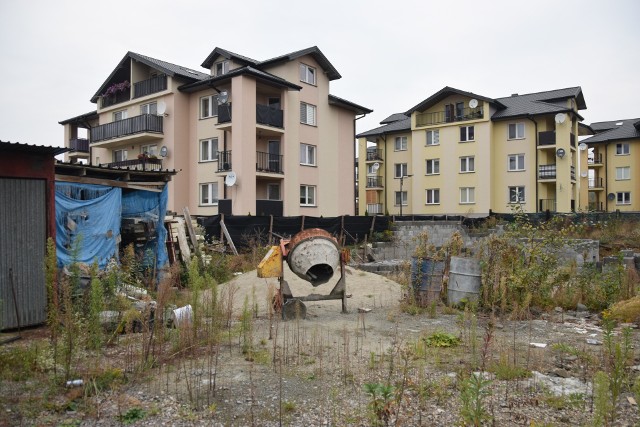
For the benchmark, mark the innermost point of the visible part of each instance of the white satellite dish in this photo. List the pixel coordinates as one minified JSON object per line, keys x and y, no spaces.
{"x":561,"y":117}
{"x":584,"y":174}
{"x":230,"y":179}
{"x":473,"y":103}
{"x":223,"y":97}
{"x":162,"y":108}
{"x":375,"y":166}
{"x":582,"y":146}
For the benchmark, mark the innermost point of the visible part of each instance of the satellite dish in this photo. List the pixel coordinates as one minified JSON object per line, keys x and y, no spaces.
{"x":376,"y":166}
{"x":561,"y":117}
{"x":230,"y":179}
{"x":164,"y":151}
{"x":611,"y":196}
{"x":584,"y":174}
{"x":473,"y":103}
{"x":223,"y":97}
{"x":162,"y":108}
{"x":582,"y":146}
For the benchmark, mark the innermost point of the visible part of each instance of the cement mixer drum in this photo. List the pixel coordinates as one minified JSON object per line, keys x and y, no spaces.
{"x":313,"y":255}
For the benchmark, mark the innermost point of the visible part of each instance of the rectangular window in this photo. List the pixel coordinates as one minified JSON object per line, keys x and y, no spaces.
{"x":150,"y":108}
{"x":623,"y":173}
{"x":307,"y":154}
{"x":433,"y":166}
{"x":401,"y":143}
{"x":149,"y":150}
{"x":372,"y":169}
{"x":433,"y":196}
{"x":119,"y":115}
{"x":622,"y":149}
{"x":401,"y":198}
{"x":433,"y":137}
{"x":119,"y":155}
{"x":307,"y":74}
{"x":222,"y":68}
{"x":459,"y":110}
{"x":208,"y":106}
{"x":209,"y":150}
{"x":467,"y":195}
{"x":466,"y":134}
{"x":209,"y":194}
{"x":516,"y":195}
{"x":516,"y":162}
{"x":624,"y":198}
{"x":467,"y":164}
{"x":307,"y":114}
{"x":516,"y":130}
{"x":400,"y":170}
{"x":273,"y":191}
{"x":307,"y":195}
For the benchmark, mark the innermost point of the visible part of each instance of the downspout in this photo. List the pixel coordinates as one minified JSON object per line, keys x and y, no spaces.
{"x":355,"y":178}
{"x":606,"y":177}
{"x":384,"y":160}
{"x":536,"y":168}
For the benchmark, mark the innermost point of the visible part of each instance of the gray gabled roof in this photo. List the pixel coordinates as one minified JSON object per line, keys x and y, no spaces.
{"x":394,"y":127}
{"x":444,"y":93}
{"x":246,"y":70}
{"x":82,"y":118}
{"x":313,"y":51}
{"x":629,"y":129}
{"x":28,"y":148}
{"x":341,"y":102}
{"x":394,"y":118}
{"x":228,"y":55}
{"x":547,"y":102}
{"x":604,"y":126}
{"x":163,"y":66}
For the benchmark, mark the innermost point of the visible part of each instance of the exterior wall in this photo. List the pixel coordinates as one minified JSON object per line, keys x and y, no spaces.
{"x":613,"y":161}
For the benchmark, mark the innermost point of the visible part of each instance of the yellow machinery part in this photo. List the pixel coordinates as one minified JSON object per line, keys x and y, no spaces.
{"x":271,"y":264}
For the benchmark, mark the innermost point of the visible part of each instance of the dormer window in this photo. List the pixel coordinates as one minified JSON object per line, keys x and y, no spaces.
{"x":307,"y":74}
{"x":222,"y":68}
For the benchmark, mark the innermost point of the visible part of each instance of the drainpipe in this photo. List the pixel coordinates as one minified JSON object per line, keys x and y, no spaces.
{"x":384,"y":162}
{"x":355,"y":204}
{"x":536,"y":169}
{"x":606,"y":177}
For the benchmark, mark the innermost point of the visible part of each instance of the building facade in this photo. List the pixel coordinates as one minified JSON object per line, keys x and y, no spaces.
{"x":247,"y":136}
{"x":459,"y":153}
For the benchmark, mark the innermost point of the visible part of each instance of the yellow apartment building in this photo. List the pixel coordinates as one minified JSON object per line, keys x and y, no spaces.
{"x":614,"y":158}
{"x":247,"y":136}
{"x":460,"y":153}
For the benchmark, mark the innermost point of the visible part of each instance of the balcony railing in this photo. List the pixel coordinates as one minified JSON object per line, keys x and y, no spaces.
{"x":374,"y":208}
{"x":448,"y":116}
{"x":138,"y":124}
{"x":107,"y":101}
{"x":547,"y":205}
{"x":224,"y":113}
{"x":595,"y":160}
{"x":374,"y":154}
{"x":138,"y":164}
{"x":224,"y":161}
{"x":573,"y":173}
{"x":79,"y":144}
{"x":267,"y":162}
{"x":547,"y":172}
{"x":374,"y":182}
{"x":269,"y":116}
{"x":149,"y":86}
{"x":596,"y":182}
{"x":572,"y":140}
{"x":549,"y":138}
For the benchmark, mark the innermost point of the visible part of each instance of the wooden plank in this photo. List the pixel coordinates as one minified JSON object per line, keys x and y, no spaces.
{"x":110,"y":182}
{"x":228,"y":236}
{"x":190,"y":229}
{"x":185,"y":252}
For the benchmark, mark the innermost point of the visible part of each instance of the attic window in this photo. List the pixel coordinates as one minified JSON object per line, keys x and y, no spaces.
{"x":619,"y":123}
{"x":222,"y":68}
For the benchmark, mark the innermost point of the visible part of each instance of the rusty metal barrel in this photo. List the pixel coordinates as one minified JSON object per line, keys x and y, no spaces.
{"x":313,"y":255}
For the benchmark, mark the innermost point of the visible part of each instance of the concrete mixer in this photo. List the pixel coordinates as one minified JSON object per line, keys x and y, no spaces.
{"x":314,"y":256}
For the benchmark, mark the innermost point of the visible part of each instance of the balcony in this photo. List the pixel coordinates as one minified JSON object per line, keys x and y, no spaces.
{"x":152,"y":85}
{"x":373,"y":154}
{"x":79,"y":145}
{"x":118,"y":98}
{"x":547,"y":171}
{"x":549,"y":138}
{"x":269,"y":116}
{"x":138,"y":164}
{"x":144,"y":123}
{"x":547,"y":205}
{"x":374,"y":208}
{"x":271,"y":163}
{"x":448,"y":116}
{"x":374,"y":182}
{"x":224,"y":161}
{"x":596,"y":160}
{"x":573,"y":173}
{"x":596,"y":183}
{"x":224,"y":113}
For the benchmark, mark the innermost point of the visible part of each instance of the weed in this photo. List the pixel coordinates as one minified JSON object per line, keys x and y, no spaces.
{"x":505,"y":370}
{"x":133,"y":415}
{"x":380,"y":401}
{"x":474,"y":391}
{"x":288,"y":406}
{"x":441,"y":339}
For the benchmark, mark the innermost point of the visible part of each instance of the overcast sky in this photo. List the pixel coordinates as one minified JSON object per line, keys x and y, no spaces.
{"x":55,"y":54}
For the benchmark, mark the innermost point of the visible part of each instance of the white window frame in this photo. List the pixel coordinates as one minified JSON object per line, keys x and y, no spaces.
{"x":149,"y":108}
{"x":467,"y":164}
{"x":432,"y":196}
{"x":308,"y":114}
{"x":465,"y":134}
{"x":123,"y":156}
{"x":401,"y":196}
{"x":434,"y":136}
{"x":211,"y":200}
{"x":221,"y":68}
{"x":270,"y":188}
{"x":435,"y":166}
{"x":516,"y":158}
{"x":211,"y":102}
{"x":623,"y":149}
{"x":402,"y":168}
{"x":120,"y":115}
{"x":516,"y":190}
{"x":400,"y":143}
{"x":150,"y":149}
{"x":467,"y":195}
{"x":308,"y":154}
{"x":518,"y":131}
{"x":307,"y":74}
{"x":623,"y":198}
{"x":309,"y":200}
{"x":208,"y":154}
{"x":623,"y":173}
